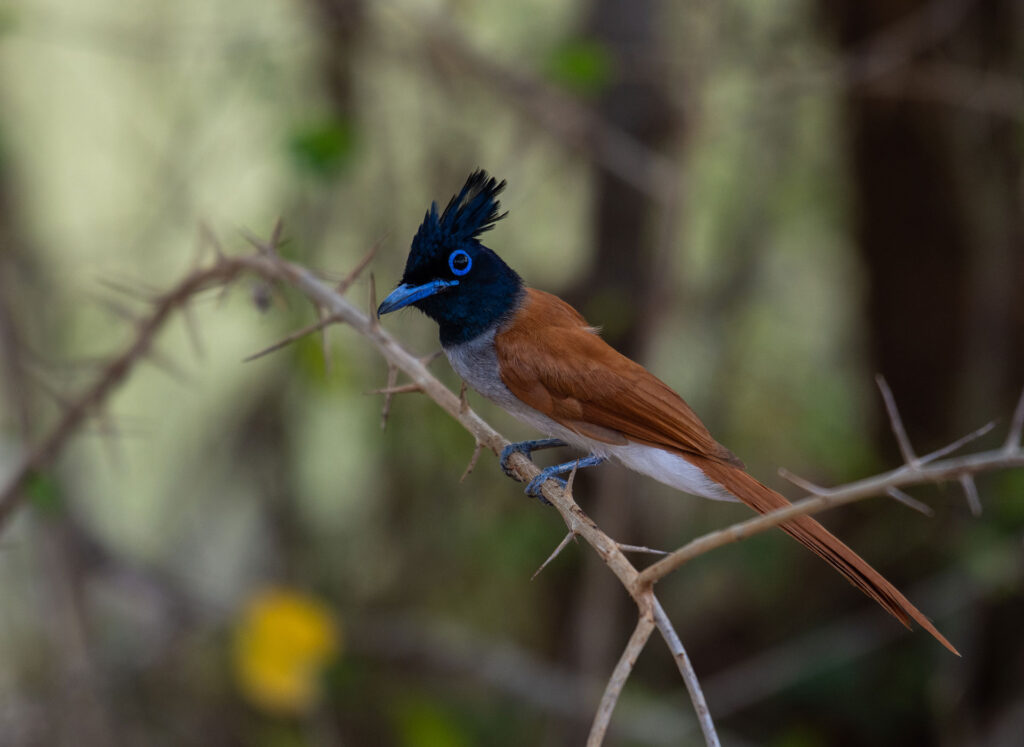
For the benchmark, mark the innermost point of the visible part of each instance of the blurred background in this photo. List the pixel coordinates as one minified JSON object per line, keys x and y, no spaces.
{"x":767,"y":203}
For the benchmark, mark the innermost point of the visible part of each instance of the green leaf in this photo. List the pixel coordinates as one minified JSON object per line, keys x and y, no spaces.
{"x":424,"y":724}
{"x":323,"y":149}
{"x":583,"y":66}
{"x":44,"y":493}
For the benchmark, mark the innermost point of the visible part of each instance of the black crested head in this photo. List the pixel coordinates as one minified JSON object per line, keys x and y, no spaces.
{"x":474,"y":210}
{"x":453,"y":278}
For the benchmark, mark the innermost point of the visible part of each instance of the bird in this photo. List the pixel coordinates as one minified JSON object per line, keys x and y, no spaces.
{"x":537,"y":357}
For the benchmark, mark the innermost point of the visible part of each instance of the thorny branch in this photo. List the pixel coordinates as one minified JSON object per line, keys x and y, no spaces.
{"x":268,"y":265}
{"x":333,"y":307}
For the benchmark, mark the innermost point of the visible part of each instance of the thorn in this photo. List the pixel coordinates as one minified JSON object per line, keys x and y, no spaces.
{"x":374,"y":321}
{"x":275,"y":235}
{"x":200,"y":250}
{"x":428,"y":359}
{"x":971,"y":491}
{"x":896,"y":423}
{"x":346,"y":283}
{"x":939,"y":453}
{"x":128,"y":290}
{"x":803,"y":484}
{"x":639,"y":548}
{"x":209,"y":238}
{"x":411,"y":388}
{"x":472,"y":461}
{"x":168,"y":366}
{"x":1013,"y":438}
{"x":906,"y":500}
{"x":296,"y":335}
{"x":256,"y":241}
{"x":119,"y":310}
{"x":268,"y":248}
{"x":572,"y":479}
{"x":463,"y":402}
{"x":385,"y":409}
{"x":188,"y":314}
{"x":553,"y":555}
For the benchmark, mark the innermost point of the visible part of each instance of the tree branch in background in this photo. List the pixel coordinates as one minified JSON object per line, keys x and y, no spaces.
{"x":332,"y":306}
{"x":637,"y":641}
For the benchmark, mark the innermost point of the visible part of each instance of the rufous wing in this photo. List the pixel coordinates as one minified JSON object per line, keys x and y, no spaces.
{"x":552,"y":360}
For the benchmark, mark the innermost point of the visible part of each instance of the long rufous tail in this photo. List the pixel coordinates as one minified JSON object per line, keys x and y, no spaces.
{"x":816,"y":538}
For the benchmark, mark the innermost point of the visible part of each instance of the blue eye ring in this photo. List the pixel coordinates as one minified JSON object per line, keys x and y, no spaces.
{"x":457,"y":256}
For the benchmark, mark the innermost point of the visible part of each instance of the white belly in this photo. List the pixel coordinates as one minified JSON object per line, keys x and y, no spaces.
{"x":476,"y":362}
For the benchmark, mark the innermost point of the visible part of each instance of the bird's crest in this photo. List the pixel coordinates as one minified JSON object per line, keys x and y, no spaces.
{"x":472,"y":211}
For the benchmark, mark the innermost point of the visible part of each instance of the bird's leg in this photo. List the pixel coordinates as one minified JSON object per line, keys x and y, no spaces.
{"x":551,"y":473}
{"x":526,"y":447}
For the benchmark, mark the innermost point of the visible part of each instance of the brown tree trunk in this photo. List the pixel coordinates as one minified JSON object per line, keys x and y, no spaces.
{"x":938,"y":205}
{"x":937,"y":175}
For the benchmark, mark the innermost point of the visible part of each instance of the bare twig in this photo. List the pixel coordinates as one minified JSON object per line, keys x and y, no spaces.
{"x":166,"y":364}
{"x":208,"y":238}
{"x":112,"y":375}
{"x":275,"y":235}
{"x":956,"y":445}
{"x":909,"y":502}
{"x":296,"y":335}
{"x":129,"y":288}
{"x":398,"y":389}
{"x":800,"y":482}
{"x":426,"y":360}
{"x":938,"y":471}
{"x":571,"y":521}
{"x":1013,"y":438}
{"x":372,"y":304}
{"x":637,"y":641}
{"x":641,"y":549}
{"x":906,"y":449}
{"x":477,"y":448}
{"x":953,"y":85}
{"x":686,"y":670}
{"x":118,"y":309}
{"x":971,"y":491}
{"x":554,"y":553}
{"x":349,"y":279}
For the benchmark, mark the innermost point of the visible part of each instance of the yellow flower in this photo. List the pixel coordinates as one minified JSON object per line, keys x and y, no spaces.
{"x":282,"y":642}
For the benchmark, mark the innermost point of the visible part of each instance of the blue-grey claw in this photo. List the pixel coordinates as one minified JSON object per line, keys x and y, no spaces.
{"x":551,"y":473}
{"x":527,"y":448}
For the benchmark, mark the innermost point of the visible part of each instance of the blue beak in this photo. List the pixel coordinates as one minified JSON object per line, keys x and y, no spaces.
{"x":406,"y":294}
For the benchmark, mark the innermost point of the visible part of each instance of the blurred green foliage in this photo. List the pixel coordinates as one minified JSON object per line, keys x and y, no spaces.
{"x":324,"y":149}
{"x":583,"y":66}
{"x":424,"y":723}
{"x":44,"y":493}
{"x":126,"y":127}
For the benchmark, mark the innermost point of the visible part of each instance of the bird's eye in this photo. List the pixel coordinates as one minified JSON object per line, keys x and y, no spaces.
{"x":459,"y":261}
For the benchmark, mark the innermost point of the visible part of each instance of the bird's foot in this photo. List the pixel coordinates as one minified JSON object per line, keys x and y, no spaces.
{"x":527,"y":448}
{"x":551,"y":473}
